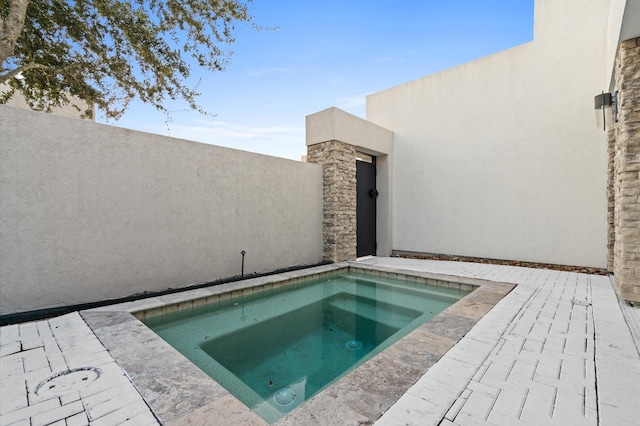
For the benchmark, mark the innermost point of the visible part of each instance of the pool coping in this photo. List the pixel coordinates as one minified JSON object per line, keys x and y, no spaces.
{"x":179,"y":392}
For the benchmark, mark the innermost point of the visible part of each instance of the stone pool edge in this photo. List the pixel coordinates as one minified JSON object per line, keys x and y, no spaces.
{"x":179,"y":392}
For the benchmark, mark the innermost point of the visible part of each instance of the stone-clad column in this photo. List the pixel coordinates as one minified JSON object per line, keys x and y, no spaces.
{"x":611,"y":235}
{"x":338,"y":161}
{"x":626,"y":266}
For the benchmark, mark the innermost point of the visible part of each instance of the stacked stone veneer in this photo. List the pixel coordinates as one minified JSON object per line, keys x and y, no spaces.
{"x":626,"y":172}
{"x":338,"y":161}
{"x":611,"y":235}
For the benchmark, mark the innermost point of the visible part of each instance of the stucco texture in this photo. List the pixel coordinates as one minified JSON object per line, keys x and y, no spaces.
{"x":92,"y":212}
{"x":501,"y":157}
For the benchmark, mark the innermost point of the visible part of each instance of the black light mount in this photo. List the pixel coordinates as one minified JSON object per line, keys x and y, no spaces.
{"x":603,"y":105}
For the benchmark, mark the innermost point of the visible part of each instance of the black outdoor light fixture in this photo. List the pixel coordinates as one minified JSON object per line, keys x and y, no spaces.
{"x":606,"y":108}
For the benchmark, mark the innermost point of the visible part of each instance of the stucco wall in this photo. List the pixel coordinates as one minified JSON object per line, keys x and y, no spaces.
{"x":69,"y":110}
{"x":501,"y":157}
{"x":612,"y":37}
{"x":91,"y":212}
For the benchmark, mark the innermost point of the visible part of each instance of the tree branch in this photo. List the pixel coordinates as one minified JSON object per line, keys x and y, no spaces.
{"x":4,"y":78}
{"x":11,"y":27}
{"x":108,"y":52}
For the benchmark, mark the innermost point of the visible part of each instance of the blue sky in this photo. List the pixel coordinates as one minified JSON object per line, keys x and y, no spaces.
{"x":331,"y":53}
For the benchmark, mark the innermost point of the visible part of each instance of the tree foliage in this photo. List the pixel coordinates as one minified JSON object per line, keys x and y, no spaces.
{"x":107,"y":52}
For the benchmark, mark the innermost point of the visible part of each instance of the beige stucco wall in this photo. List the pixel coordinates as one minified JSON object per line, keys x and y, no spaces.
{"x":69,"y":110}
{"x":501,"y":157}
{"x":92,"y":212}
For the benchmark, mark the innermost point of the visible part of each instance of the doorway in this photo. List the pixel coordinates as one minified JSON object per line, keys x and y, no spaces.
{"x":366,"y":194}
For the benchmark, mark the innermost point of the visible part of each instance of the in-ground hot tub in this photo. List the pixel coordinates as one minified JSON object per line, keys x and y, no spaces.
{"x":177,"y":390}
{"x":276,"y":348}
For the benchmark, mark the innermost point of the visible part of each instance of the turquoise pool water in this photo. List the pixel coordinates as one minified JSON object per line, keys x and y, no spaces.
{"x":277,"y":348}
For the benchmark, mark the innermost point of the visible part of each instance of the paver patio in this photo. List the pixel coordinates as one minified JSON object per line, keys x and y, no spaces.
{"x":559,"y":349}
{"x":556,"y":350}
{"x":33,"y":352}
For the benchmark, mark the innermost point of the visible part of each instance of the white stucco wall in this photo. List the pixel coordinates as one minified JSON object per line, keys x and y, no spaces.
{"x":501,"y":157}
{"x":623,"y":24}
{"x":92,"y":212}
{"x":612,"y":37}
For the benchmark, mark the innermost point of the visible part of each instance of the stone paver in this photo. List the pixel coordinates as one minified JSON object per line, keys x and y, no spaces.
{"x":556,"y":350}
{"x":32,"y":353}
{"x":563,"y":354}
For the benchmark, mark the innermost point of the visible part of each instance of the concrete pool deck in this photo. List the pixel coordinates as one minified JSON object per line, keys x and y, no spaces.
{"x":558,"y":349}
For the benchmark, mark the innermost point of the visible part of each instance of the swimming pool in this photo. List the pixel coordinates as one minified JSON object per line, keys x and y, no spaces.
{"x":178,"y":391}
{"x":276,"y":348}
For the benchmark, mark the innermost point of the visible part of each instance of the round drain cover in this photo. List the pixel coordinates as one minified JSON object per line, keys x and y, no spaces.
{"x":353,"y":345}
{"x":284,"y":397}
{"x":66,"y":381}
